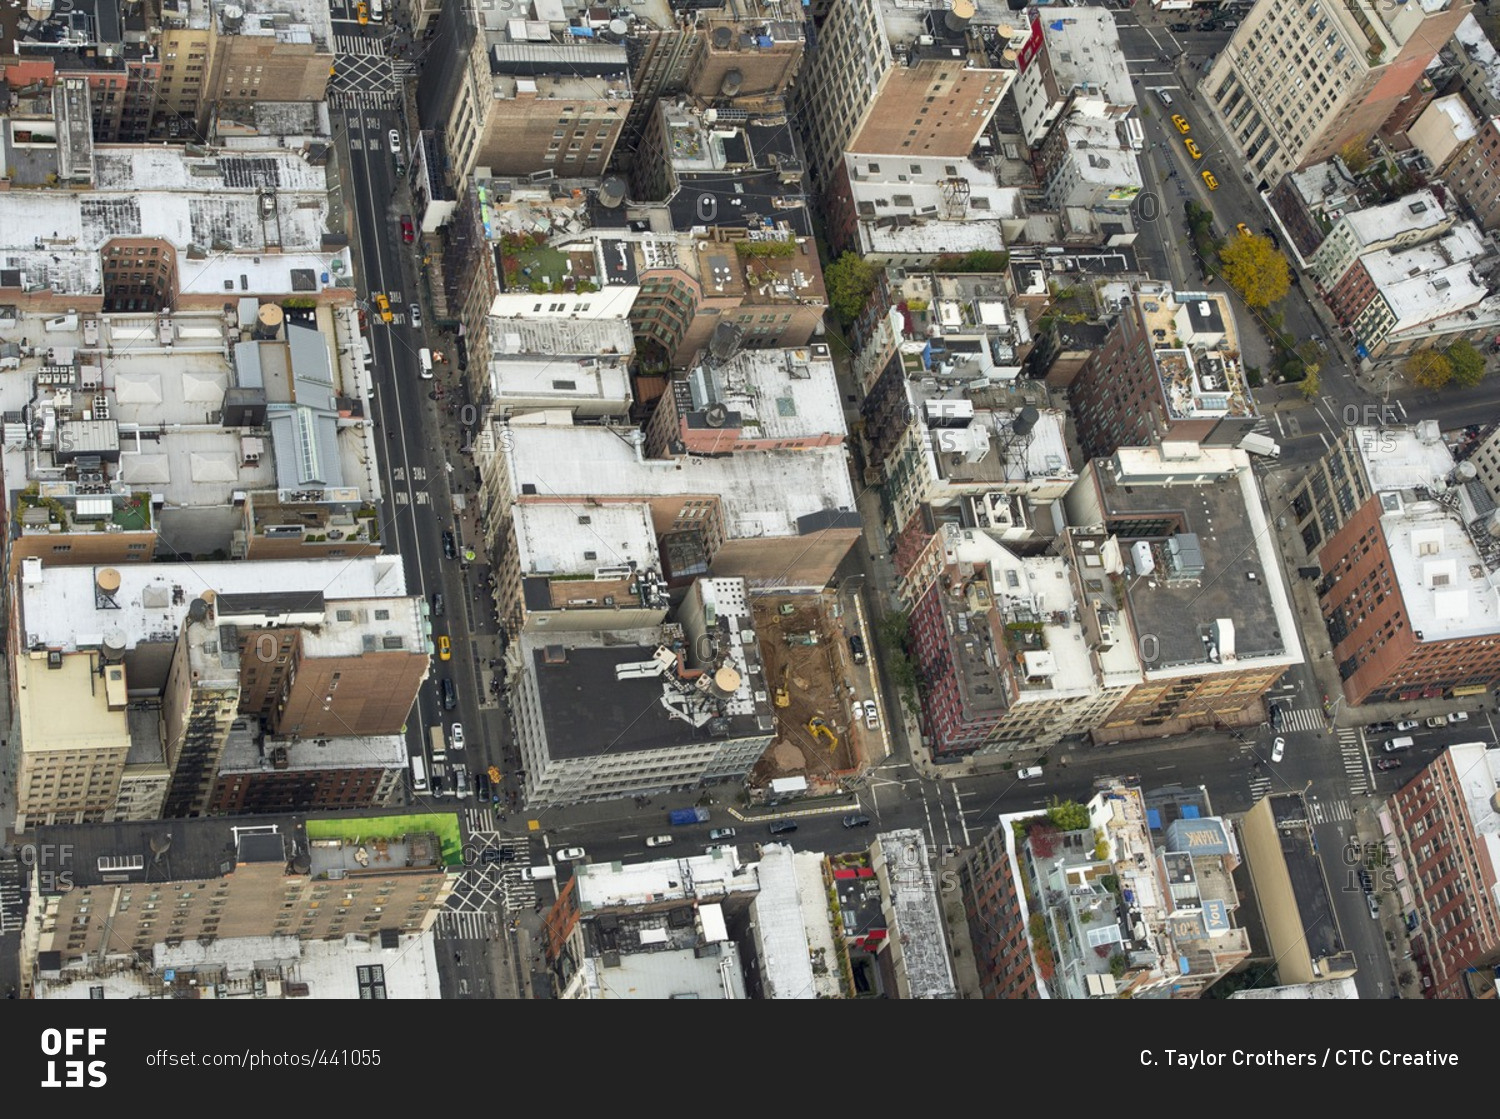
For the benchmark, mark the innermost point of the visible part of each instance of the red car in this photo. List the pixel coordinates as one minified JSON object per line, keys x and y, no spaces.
{"x":408,"y":234}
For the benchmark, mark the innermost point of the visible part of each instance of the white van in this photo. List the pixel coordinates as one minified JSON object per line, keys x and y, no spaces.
{"x":418,"y":775}
{"x":1395,"y":745}
{"x":424,"y":356}
{"x":536,"y":873}
{"x":1030,"y":773}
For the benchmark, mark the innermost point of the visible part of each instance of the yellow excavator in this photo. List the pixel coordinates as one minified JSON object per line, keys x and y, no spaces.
{"x":783,"y":698}
{"x":819,"y":729}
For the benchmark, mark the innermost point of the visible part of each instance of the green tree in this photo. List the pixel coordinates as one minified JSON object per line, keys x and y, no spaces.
{"x":1428,"y":369}
{"x":1252,"y":266}
{"x":1068,"y":815}
{"x":1467,"y":363}
{"x":849,"y":280}
{"x":1310,"y":384}
{"x":1355,"y":155}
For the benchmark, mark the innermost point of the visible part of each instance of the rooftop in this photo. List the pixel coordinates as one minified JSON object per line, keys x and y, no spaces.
{"x":247,"y":751}
{"x":564,"y":381}
{"x":75,"y":687}
{"x":1415,"y":212}
{"x":65,"y":608}
{"x":661,"y":972}
{"x":1208,"y":585}
{"x":1196,"y":348}
{"x":1320,"y":935}
{"x":1101,"y":154}
{"x":520,"y":334}
{"x":782,"y":920}
{"x":1461,"y":123}
{"x":605,"y":694}
{"x":765,"y":493}
{"x":1480,"y":51}
{"x":904,"y":20}
{"x":576,"y":538}
{"x":1478,"y":771}
{"x":1428,"y":281}
{"x":625,"y":885}
{"x":916,"y":914}
{"x":969,"y":441}
{"x":771,"y":394}
{"x":1084,"y":48}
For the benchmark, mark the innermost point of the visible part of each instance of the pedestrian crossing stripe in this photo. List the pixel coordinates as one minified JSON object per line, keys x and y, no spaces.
{"x":1303,"y":719}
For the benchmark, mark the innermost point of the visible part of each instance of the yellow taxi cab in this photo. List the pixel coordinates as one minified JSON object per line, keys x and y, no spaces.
{"x":1209,"y":180}
{"x":383,"y":305}
{"x":445,"y":648}
{"x":1181,"y":123}
{"x":363,"y":11}
{"x":1192,"y":149}
{"x":1244,"y":230}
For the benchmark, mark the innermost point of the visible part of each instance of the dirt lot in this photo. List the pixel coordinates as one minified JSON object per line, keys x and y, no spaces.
{"x":814,"y":677}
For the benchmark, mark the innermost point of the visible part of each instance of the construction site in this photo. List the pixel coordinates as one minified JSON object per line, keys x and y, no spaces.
{"x":810,"y":672}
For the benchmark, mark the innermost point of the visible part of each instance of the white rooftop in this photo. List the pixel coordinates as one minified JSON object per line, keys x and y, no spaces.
{"x":1481,"y":51}
{"x":1478,"y":770}
{"x":781,"y":919}
{"x":917,"y":918}
{"x":780,"y":394}
{"x":552,"y":538}
{"x":1461,"y":122}
{"x":764,"y":492}
{"x":1416,"y":211}
{"x":61,"y":608}
{"x":1432,"y":294}
{"x":661,"y":972}
{"x":1083,"y":45}
{"x":1344,"y":988}
{"x":887,"y":185}
{"x":1099,"y":154}
{"x":1402,"y":458}
{"x":1446,"y":587}
{"x":367,"y":751}
{"x":925,"y":237}
{"x":610,"y":885}
{"x":1462,"y":243}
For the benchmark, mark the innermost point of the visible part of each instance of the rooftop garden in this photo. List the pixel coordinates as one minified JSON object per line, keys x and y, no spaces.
{"x":366,"y":829}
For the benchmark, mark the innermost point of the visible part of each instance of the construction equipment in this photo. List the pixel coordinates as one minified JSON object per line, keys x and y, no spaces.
{"x":808,"y":638}
{"x":819,"y":729}
{"x":495,"y":774}
{"x":783,"y":697}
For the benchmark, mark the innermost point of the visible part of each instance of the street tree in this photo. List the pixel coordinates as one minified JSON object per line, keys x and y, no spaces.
{"x":850,"y":279}
{"x":1310,"y":384}
{"x":1428,"y":369}
{"x":1467,"y":363}
{"x":1254,"y":268}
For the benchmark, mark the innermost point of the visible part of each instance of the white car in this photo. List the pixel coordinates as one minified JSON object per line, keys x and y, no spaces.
{"x":570,"y":854}
{"x":395,"y":140}
{"x":872,"y":714}
{"x":1278,"y":749}
{"x":456,"y":736}
{"x":659,"y":840}
{"x":414,"y":313}
{"x":1458,"y":717}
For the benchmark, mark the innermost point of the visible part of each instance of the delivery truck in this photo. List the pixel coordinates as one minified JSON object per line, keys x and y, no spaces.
{"x":1258,"y":444}
{"x":688,"y":815}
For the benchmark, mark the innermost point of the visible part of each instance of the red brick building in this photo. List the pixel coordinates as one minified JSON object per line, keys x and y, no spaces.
{"x":997,"y":923}
{"x":1442,"y":823}
{"x":1475,"y":174}
{"x":1353,"y":292}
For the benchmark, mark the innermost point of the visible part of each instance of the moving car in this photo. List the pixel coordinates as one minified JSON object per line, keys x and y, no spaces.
{"x":450,"y":545}
{"x":1384,"y":764}
{"x":570,"y":854}
{"x":1166,"y":98}
{"x":456,"y":734}
{"x":383,"y":305}
{"x":856,"y":821}
{"x":1181,"y":123}
{"x":1192,"y":148}
{"x":1209,"y":180}
{"x":450,"y":697}
{"x":1278,"y":749}
{"x":1244,"y":230}
{"x":438,"y":606}
{"x":659,"y":841}
{"x":362,"y":12}
{"x":414,"y":313}
{"x":1029,"y":773}
{"x":445,"y":648}
{"x":535,"y":873}
{"x":394,"y":139}
{"x":720,"y":833}
{"x":408,"y":231}
{"x":781,"y":827}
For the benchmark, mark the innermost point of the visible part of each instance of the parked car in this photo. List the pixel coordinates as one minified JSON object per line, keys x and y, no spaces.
{"x":1384,"y":764}
{"x":1458,"y":717}
{"x":1407,"y":724}
{"x":394,"y":138}
{"x":570,"y":854}
{"x":1396,"y":745}
{"x":1380,"y":728}
{"x":450,"y":545}
{"x":1244,"y":230}
{"x":414,"y":313}
{"x":408,"y":231}
{"x":1438,"y":721}
{"x":857,"y":648}
{"x":1366,"y":883}
{"x":781,"y":827}
{"x":1374,"y":906}
{"x":717,"y":834}
{"x":872,"y":714}
{"x":1278,"y":750}
{"x":659,"y":840}
{"x":856,"y":821}
{"x":457,"y":736}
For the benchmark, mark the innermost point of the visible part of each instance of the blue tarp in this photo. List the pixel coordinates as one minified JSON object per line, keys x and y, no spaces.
{"x":1153,"y":819}
{"x":1189,"y":811}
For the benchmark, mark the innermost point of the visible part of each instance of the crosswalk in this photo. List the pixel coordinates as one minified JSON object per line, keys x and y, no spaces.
{"x":12,"y":896}
{"x":467,"y":925}
{"x":1260,"y":785}
{"x":1304,"y":719}
{"x":358,"y":44}
{"x":1330,"y":811}
{"x":1352,"y":755}
{"x":385,"y":100}
{"x":480,"y":820}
